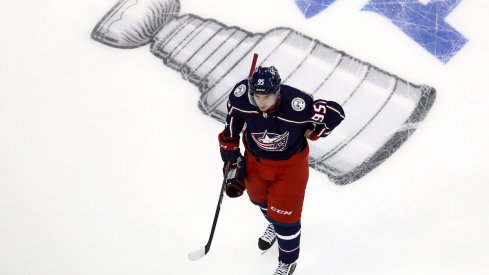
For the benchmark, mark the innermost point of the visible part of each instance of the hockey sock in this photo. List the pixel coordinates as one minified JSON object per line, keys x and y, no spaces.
{"x":263,"y":208}
{"x":288,"y":237}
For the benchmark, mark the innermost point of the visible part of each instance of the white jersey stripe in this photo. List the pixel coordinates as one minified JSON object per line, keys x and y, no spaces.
{"x":291,"y":121}
{"x":301,"y":122}
{"x":231,"y":126}
{"x":335,"y":111}
{"x":322,"y":131}
{"x":243,"y":111}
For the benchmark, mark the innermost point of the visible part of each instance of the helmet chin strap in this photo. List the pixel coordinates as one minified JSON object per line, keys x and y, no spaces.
{"x":278,"y":94}
{"x":252,"y":100}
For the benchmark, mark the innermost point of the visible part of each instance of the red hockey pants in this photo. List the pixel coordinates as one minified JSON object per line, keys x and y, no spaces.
{"x":280,"y":184}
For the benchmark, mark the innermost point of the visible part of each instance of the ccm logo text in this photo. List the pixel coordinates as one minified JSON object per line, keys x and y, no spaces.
{"x":281,"y":212}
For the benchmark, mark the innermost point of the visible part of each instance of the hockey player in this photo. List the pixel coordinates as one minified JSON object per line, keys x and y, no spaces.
{"x":274,"y":169}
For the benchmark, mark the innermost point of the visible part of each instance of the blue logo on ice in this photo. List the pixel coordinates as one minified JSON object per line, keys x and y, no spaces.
{"x":312,"y":7}
{"x":425,"y":24}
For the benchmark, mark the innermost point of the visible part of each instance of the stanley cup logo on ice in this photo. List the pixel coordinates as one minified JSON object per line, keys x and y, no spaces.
{"x":382,"y":109}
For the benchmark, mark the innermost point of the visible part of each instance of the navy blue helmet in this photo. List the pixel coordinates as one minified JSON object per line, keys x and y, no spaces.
{"x":264,"y":81}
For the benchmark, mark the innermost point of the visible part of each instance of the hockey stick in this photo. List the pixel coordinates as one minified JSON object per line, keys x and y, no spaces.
{"x":199,"y":253}
{"x":253,"y":64}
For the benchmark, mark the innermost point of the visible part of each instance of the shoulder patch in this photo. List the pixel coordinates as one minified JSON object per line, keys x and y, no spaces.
{"x":298,"y":104}
{"x":240,"y":90}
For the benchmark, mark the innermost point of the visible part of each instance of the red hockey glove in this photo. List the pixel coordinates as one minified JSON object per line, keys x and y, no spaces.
{"x":229,"y":148}
{"x":319,"y":131}
{"x":235,"y":185}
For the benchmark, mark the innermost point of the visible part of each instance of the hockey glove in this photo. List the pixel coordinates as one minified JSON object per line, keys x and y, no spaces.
{"x":235,"y":185}
{"x":229,"y":148}
{"x":320,"y":130}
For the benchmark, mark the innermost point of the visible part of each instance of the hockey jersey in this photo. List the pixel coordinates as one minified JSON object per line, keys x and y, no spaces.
{"x":278,"y":134}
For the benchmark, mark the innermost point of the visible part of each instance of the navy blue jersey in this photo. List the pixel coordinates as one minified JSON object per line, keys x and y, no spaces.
{"x":278,"y":134}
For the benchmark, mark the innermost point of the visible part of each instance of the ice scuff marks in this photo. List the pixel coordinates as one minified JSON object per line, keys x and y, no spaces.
{"x":311,"y":8}
{"x":382,"y":109}
{"x":424,"y":23}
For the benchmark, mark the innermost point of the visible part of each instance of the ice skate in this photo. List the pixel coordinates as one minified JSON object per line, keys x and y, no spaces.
{"x":285,"y":269}
{"x":267,"y":239}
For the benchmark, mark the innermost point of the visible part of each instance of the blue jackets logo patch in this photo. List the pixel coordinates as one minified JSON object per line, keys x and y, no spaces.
{"x":270,"y":141}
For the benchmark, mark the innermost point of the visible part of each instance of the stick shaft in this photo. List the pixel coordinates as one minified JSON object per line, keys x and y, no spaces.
{"x":253,"y":64}
{"x":218,"y":208}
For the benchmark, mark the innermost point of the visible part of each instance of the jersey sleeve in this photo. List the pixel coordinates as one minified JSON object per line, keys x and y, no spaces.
{"x":234,"y":120}
{"x":234,"y":123}
{"x":326,"y":115}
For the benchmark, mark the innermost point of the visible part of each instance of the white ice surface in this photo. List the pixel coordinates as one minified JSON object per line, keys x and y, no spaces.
{"x":107,"y":166}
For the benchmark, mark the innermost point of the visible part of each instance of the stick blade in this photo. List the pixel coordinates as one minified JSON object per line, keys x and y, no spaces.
{"x":197,"y":254}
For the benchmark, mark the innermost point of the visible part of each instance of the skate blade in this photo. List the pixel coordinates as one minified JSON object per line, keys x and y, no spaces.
{"x":264,"y":251}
